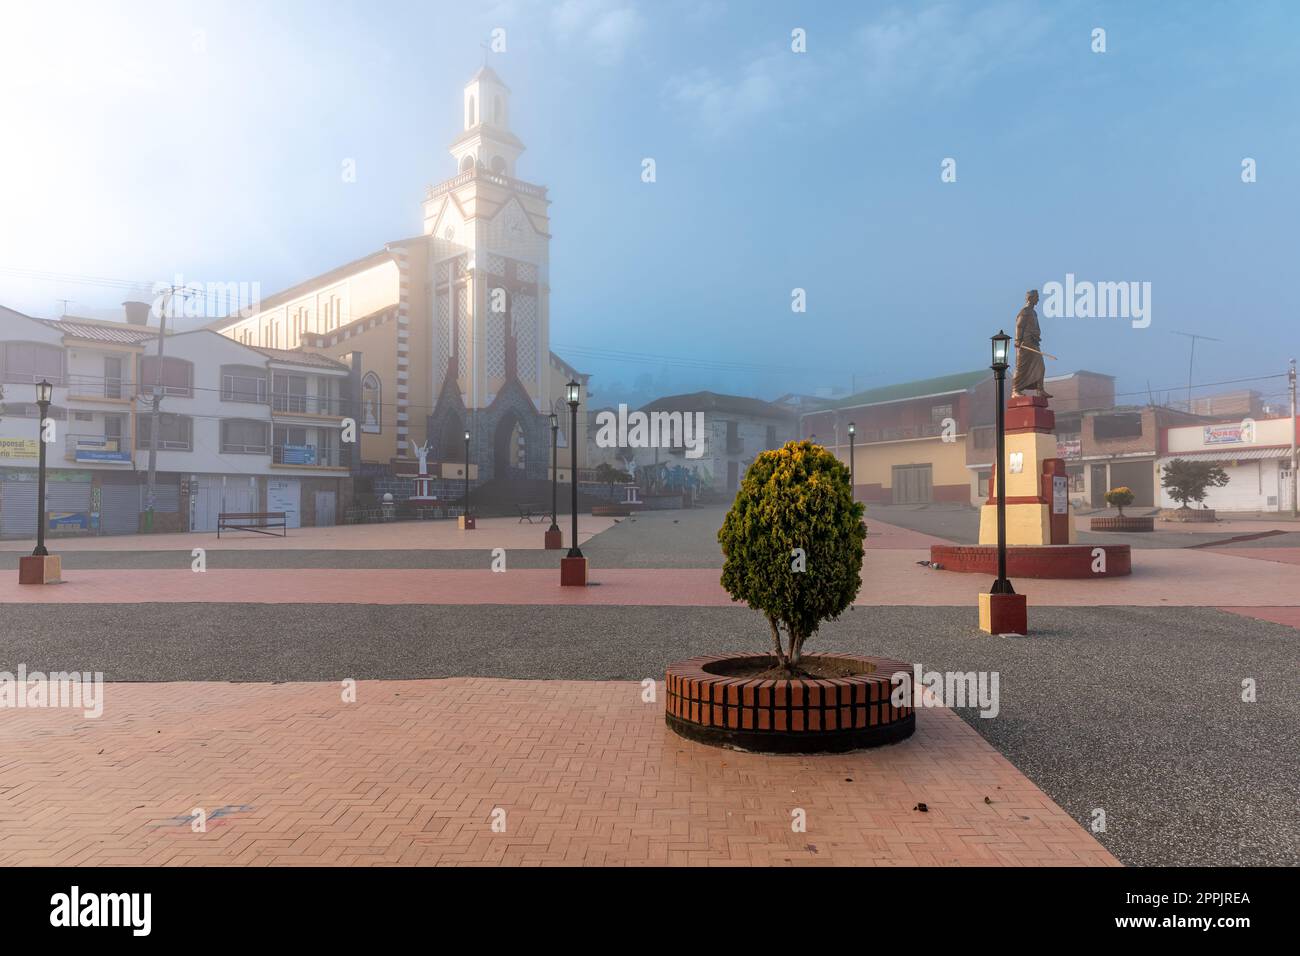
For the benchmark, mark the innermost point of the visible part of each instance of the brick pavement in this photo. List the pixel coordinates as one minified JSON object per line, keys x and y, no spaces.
{"x":890,"y":577}
{"x":410,"y":774}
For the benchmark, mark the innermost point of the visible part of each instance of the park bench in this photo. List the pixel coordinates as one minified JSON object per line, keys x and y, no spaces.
{"x":527,"y":512}
{"x":259,"y":522}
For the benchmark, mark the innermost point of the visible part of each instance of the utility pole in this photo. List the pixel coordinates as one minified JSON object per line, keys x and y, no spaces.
{"x":1294,"y":503}
{"x":165,"y":299}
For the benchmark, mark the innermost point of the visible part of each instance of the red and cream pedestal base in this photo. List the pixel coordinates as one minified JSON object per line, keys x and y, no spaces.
{"x":573,"y":572}
{"x":1004,"y":614}
{"x":38,"y":569}
{"x":554,"y":539}
{"x":465,"y":523}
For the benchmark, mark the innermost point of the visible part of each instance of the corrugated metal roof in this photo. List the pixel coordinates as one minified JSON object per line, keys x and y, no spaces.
{"x":117,"y":333}
{"x":923,"y":388}
{"x":1232,"y":454}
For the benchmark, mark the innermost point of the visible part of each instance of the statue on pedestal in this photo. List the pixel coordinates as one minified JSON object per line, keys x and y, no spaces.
{"x":1030,"y":370}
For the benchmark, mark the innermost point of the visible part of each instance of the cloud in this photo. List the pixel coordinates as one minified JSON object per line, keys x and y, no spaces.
{"x":944,"y":46}
{"x":721,"y":102}
{"x":606,"y":27}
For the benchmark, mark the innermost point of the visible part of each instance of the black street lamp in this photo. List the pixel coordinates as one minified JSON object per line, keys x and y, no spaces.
{"x":1001,"y":346}
{"x":571,"y":393}
{"x":44,"y":393}
{"x":853,"y":485}
{"x":554,"y":529}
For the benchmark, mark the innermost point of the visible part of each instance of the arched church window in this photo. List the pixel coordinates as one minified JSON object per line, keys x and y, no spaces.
{"x":498,"y":165}
{"x":466,"y":163}
{"x":372,"y":406}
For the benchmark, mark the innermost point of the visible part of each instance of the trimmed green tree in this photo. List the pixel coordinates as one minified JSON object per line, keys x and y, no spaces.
{"x":1120,"y":498}
{"x":1191,"y":480}
{"x":792,"y":543}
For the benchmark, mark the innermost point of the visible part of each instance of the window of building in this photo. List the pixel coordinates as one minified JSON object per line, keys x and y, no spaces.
{"x":243,"y":383}
{"x":983,"y":484}
{"x":1076,"y":478}
{"x":240,"y":437}
{"x":1117,"y":425}
{"x":940,"y":412}
{"x":30,"y":362}
{"x":289,"y":393}
{"x":175,"y":432}
{"x":177,"y":376}
{"x":984,"y":437}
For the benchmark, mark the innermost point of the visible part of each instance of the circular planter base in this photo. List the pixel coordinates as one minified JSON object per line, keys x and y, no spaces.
{"x":1126,"y":523}
{"x":710,"y":700}
{"x":1035,"y":561}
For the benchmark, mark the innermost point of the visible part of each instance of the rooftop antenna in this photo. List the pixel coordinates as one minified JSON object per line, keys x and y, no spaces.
{"x":64,"y":310}
{"x":1191,"y":359}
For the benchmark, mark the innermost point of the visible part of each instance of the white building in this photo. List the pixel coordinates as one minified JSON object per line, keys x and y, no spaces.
{"x":241,"y":429}
{"x":1254,"y":454}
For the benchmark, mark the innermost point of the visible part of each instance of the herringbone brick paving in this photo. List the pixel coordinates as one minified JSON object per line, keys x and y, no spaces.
{"x":586,"y":774}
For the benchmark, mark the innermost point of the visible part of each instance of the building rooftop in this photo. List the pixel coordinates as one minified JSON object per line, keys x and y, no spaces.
{"x":118,"y":333}
{"x":714,"y":402}
{"x":293,"y":357}
{"x":942,"y":385}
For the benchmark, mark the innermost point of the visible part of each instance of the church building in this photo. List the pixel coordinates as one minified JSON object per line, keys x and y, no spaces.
{"x":448,"y":331}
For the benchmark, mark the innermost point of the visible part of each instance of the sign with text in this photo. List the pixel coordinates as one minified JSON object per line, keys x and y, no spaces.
{"x":1237,"y":433}
{"x":19,"y":448}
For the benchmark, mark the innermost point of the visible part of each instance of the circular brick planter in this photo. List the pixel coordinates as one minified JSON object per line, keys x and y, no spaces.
{"x":1125,"y":523}
{"x":1188,"y":514}
{"x":708,"y":704}
{"x":1035,"y":561}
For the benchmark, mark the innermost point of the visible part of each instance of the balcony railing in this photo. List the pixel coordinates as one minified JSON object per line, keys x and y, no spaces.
{"x":309,"y":455}
{"x":307,"y":405}
{"x":480,"y":172}
{"x":91,"y":386}
{"x":107,"y":448}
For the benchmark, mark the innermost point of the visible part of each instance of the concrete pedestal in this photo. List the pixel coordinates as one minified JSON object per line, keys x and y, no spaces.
{"x":1004,"y":614}
{"x":554,"y":539}
{"x":573,"y":572}
{"x":1038,"y":505}
{"x":37,"y":569}
{"x":465,"y":523}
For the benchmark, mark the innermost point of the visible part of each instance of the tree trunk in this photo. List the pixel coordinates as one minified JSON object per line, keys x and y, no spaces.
{"x":776,"y":644}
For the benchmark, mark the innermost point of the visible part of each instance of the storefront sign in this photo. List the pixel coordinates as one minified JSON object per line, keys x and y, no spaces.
{"x":1069,"y":450}
{"x":19,"y":448}
{"x":30,"y":474}
{"x":1237,"y":433}
{"x":68,"y":520}
{"x":106,"y":449}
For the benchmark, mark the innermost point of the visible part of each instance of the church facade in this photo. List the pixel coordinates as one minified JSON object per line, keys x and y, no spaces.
{"x":448,"y":331}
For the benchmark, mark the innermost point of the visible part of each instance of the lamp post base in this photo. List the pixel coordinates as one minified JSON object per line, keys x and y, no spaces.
{"x":1004,"y":614}
{"x":465,"y":523}
{"x":40,"y":569}
{"x":554,"y":538}
{"x":573,"y":572}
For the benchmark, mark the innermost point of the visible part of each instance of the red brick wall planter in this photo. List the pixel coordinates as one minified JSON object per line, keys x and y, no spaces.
{"x":1188,"y":514}
{"x":1035,"y":561}
{"x":1126,"y":523}
{"x":824,"y":715}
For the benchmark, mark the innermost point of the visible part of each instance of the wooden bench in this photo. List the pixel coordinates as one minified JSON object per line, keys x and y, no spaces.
{"x":528,"y":512}
{"x":259,"y":522}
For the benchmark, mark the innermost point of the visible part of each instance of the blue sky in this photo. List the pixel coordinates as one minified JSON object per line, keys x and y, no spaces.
{"x":146,"y":140}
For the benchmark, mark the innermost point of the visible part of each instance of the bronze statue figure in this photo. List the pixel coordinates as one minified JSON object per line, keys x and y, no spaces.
{"x":1030,"y":370}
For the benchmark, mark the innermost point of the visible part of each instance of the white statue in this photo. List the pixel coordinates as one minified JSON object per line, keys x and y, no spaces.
{"x":423,"y":452}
